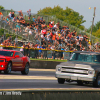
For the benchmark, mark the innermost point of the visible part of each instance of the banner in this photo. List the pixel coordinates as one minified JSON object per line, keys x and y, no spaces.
{"x":49,"y":54}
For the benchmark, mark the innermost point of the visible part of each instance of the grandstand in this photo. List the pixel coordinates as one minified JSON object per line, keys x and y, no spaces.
{"x":33,"y":34}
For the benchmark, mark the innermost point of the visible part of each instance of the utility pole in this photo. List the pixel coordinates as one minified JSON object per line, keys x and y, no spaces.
{"x":92,"y":25}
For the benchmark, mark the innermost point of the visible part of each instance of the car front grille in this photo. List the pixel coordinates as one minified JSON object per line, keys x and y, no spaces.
{"x":74,"y":70}
{"x":2,"y":60}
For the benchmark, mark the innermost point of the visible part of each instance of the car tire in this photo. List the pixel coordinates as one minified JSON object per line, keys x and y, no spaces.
{"x":8,"y":69}
{"x":61,"y":81}
{"x":79,"y":82}
{"x":96,"y":83}
{"x":26,"y":69}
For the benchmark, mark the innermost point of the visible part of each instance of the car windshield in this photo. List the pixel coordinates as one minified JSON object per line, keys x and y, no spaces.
{"x":6,"y":53}
{"x":85,"y":57}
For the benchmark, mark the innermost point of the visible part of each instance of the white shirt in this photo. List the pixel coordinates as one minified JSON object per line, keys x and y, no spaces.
{"x":30,"y":32}
{"x":9,"y":14}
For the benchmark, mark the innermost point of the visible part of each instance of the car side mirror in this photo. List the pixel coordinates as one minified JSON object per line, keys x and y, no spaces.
{"x":17,"y":56}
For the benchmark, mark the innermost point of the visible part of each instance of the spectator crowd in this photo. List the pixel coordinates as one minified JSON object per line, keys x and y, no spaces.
{"x":46,"y":35}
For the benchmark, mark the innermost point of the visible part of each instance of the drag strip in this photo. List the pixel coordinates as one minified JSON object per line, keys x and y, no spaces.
{"x":36,"y":79}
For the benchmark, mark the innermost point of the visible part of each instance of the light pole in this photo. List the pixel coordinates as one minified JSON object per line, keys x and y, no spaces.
{"x":92,"y":24}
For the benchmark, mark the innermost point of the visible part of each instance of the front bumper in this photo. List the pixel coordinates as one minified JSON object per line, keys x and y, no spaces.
{"x":75,"y":77}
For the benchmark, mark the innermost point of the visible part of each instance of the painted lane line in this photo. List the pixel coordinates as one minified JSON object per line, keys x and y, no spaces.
{"x":56,"y":89}
{"x":33,"y":69}
{"x":26,"y":77}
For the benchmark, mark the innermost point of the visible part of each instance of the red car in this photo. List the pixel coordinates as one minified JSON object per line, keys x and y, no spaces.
{"x":11,"y":60}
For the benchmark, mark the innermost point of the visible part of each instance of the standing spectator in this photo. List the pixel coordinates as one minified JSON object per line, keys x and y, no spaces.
{"x":1,"y":45}
{"x":34,"y":19}
{"x":27,"y":49}
{"x":84,"y":42}
{"x":42,"y":53}
{"x":89,"y":44}
{"x":17,"y":18}
{"x":14,"y":19}
{"x":5,"y":21}
{"x":1,"y":15}
{"x":16,"y":40}
{"x":30,"y":32}
{"x":60,"y":45}
{"x":43,"y":31}
{"x":53,"y":51}
{"x":22,"y":49}
{"x":27,"y":29}
{"x":12,"y":15}
{"x":2,"y":39}
{"x":9,"y":15}
{"x":77,"y":44}
{"x":54,"y":37}
{"x":29,"y":19}
{"x":10,"y":39}
{"x":20,"y":13}
{"x":17,"y":27}
{"x":29,"y":13}
{"x":41,"y":19}
{"x":51,"y":25}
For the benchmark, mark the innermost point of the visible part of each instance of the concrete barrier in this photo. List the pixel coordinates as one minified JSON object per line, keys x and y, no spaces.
{"x":52,"y":94}
{"x":44,"y":64}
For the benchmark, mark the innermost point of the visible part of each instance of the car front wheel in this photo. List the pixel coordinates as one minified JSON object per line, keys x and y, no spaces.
{"x":96,"y":83}
{"x":80,"y":82}
{"x":26,"y":69}
{"x":61,"y":81}
{"x":8,"y":70}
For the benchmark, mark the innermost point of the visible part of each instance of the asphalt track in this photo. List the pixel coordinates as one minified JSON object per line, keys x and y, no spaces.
{"x":37,"y":79}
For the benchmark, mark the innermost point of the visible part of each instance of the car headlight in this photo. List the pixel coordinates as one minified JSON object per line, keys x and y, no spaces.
{"x":90,"y":72}
{"x":59,"y":68}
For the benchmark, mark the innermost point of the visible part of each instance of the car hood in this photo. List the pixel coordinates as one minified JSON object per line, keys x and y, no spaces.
{"x":75,"y":63}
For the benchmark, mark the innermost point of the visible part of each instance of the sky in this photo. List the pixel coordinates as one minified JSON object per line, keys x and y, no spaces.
{"x":80,"y":6}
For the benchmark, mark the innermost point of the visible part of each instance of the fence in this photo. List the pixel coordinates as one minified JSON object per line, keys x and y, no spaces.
{"x":42,"y":53}
{"x":12,"y":29}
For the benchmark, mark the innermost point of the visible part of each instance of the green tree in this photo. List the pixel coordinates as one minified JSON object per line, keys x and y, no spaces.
{"x":1,"y":7}
{"x":68,"y":15}
{"x":95,"y":27}
{"x":97,"y":33}
{"x":1,"y":32}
